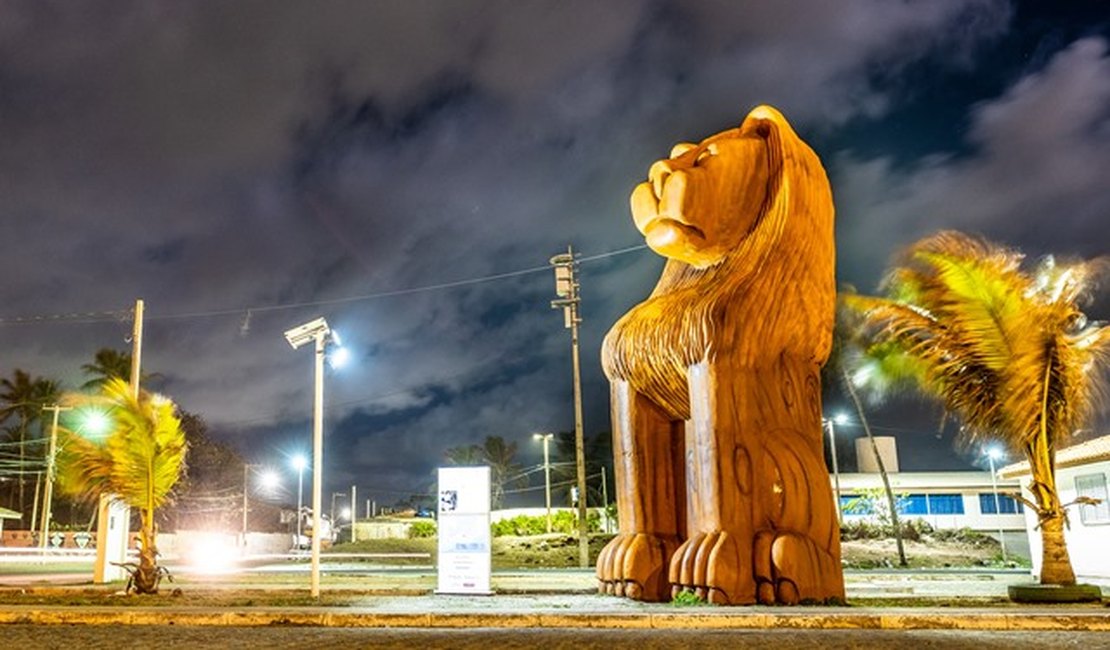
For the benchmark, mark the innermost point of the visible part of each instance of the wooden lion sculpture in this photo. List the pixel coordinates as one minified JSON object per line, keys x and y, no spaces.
{"x":716,"y":395}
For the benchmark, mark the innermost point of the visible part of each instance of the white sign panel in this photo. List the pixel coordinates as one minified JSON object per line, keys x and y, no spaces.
{"x":464,"y":533}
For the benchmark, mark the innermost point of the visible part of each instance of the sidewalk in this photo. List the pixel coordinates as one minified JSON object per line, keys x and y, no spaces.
{"x":566,"y":598}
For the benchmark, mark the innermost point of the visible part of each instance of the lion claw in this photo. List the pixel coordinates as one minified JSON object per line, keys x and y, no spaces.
{"x":632,"y":565}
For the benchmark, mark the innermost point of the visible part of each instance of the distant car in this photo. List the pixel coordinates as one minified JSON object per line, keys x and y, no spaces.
{"x":427,"y":513}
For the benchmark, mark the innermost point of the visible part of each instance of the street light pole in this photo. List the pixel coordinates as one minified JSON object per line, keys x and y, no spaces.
{"x":298,"y":464}
{"x":992,"y":453}
{"x":317,"y":460}
{"x":546,"y":438}
{"x":836,"y":468}
{"x":566,"y":287}
{"x":318,"y":332}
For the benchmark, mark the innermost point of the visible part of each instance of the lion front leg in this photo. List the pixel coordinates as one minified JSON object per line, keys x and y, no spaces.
{"x":647,"y":454}
{"x":715,"y":562}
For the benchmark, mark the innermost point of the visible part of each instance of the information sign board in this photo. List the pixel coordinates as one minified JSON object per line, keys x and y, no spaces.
{"x":463,"y":531}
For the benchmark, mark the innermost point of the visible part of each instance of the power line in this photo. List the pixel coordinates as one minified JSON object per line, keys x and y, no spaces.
{"x":104,"y":316}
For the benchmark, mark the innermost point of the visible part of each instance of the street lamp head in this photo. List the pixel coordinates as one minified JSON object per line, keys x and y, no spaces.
{"x":339,"y":356}
{"x":994,"y":453}
{"x":299,"y":462}
{"x":542,"y":436}
{"x":94,"y":422}
{"x":269,"y":480}
{"x":840,"y":418}
{"x":310,"y":331}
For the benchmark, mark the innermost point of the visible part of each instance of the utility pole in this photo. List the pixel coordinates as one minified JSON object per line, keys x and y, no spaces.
{"x":566,"y":287}
{"x":48,"y":493}
{"x":102,"y":516}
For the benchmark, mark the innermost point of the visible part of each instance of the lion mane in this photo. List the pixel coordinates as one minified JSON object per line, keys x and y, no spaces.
{"x":771,"y":294}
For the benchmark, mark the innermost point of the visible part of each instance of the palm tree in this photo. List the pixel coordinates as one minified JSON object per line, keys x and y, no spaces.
{"x":495,"y":453}
{"x":1007,"y":350}
{"x":23,"y":397}
{"x":139,"y":460}
{"x":107,"y":364}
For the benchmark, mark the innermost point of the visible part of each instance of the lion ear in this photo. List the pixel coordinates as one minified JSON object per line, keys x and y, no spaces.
{"x":681,"y":148}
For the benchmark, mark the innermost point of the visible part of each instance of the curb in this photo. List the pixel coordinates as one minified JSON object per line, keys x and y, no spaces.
{"x":886,"y":619}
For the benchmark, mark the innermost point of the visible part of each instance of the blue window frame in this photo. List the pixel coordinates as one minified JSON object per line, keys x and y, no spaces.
{"x":913,"y":504}
{"x":1006,"y":504}
{"x":945,"y":504}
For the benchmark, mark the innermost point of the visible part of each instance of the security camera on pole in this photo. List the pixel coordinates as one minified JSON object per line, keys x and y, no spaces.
{"x":566,"y":287}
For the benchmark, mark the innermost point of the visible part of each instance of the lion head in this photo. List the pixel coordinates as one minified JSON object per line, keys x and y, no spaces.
{"x":745,"y":220}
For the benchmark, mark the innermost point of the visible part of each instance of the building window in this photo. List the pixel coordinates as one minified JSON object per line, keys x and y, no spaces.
{"x":913,"y":504}
{"x":946,"y":504}
{"x":1007,"y":505}
{"x":1094,"y":487}
{"x":855,"y":504}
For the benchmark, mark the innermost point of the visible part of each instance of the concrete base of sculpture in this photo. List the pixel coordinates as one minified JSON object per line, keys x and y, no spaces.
{"x":1038,"y":593}
{"x":716,"y":395}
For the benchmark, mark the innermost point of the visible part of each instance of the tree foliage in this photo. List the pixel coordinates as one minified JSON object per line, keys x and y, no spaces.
{"x":139,"y":460}
{"x":1006,"y":348}
{"x":21,"y":404}
{"x":499,"y":456}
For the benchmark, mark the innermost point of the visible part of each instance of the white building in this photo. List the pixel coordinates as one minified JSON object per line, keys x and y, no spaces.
{"x":945,"y":500}
{"x":1081,"y":471}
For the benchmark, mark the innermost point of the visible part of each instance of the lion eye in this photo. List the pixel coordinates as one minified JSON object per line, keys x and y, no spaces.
{"x":709,"y":152}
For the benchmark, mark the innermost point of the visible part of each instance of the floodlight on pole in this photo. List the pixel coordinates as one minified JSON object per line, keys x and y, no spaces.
{"x":993,"y":454}
{"x":317,"y":332}
{"x":546,"y":438}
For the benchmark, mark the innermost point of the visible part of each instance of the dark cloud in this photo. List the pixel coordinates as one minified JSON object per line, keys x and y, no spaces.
{"x":220,"y":158}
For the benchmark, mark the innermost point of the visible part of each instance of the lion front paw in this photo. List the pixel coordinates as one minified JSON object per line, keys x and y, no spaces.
{"x":790,"y":568}
{"x":633,"y":565}
{"x":708,"y":565}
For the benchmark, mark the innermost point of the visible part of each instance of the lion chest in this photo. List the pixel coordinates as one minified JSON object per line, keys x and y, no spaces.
{"x":652,"y":346}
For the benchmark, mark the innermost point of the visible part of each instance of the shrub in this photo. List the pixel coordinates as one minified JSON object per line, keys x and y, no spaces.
{"x":562,"y":521}
{"x":419,"y":529}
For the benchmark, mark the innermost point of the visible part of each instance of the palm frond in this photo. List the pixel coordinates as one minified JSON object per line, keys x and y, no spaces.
{"x":140,"y":459}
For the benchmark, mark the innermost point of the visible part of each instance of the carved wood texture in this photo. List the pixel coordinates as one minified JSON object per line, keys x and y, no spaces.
{"x":716,"y":397}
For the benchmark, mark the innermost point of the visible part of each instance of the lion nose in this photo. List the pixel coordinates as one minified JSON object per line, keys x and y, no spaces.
{"x":658,"y":174}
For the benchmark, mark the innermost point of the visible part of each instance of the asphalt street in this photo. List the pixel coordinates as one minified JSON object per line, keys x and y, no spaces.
{"x":163,"y":637}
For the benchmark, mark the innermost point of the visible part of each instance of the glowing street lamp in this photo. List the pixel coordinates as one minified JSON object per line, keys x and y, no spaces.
{"x":299,"y":463}
{"x":546,"y":438}
{"x":267,"y":476}
{"x":993,"y":454}
{"x":842,"y":419}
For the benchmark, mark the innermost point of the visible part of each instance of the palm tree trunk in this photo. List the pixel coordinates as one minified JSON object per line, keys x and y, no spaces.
{"x":146,"y":578}
{"x":882,"y":470}
{"x":1056,"y":566}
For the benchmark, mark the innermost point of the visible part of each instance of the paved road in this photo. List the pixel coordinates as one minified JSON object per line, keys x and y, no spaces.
{"x":168,"y":637}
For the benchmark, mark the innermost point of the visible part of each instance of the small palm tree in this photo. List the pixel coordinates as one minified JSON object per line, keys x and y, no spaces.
{"x":498,"y":455}
{"x":23,"y":397}
{"x":139,"y":460}
{"x":1007,"y":350}
{"x":107,"y":364}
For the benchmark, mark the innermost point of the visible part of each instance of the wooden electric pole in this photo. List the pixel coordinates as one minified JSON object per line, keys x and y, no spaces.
{"x":566,"y":287}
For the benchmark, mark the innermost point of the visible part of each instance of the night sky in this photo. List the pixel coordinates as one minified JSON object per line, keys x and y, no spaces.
{"x":245,"y":167}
